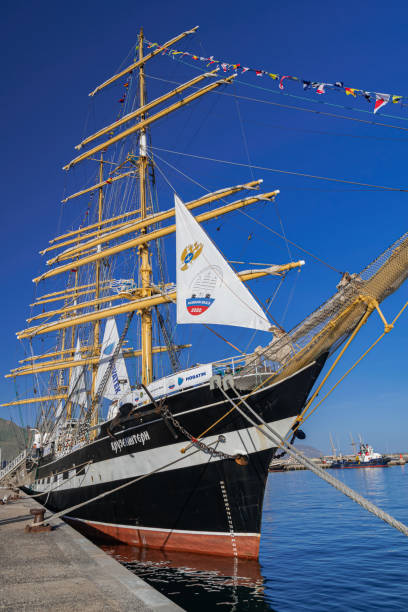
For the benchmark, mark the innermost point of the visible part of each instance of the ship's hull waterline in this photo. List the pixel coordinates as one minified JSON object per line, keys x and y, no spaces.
{"x":202,"y":503}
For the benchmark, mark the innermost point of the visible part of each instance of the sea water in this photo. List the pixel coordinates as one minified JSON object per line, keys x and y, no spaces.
{"x":320,"y":551}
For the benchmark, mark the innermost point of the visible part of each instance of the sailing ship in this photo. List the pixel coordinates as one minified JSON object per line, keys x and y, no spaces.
{"x":155,"y":458}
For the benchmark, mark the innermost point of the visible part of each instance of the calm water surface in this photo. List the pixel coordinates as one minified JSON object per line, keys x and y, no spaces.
{"x":319,"y":551}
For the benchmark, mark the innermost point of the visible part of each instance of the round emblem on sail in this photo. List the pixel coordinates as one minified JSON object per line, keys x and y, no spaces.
{"x":109,"y":349}
{"x":203,"y":290}
{"x":190,"y":253}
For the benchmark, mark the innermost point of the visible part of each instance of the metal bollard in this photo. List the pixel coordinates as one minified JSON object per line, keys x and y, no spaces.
{"x":38,"y":514}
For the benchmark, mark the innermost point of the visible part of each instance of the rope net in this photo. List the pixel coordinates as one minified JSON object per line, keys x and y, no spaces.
{"x":330,"y":324}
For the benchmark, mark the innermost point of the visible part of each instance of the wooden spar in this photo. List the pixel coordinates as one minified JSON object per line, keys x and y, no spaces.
{"x":81,"y":230}
{"x":83,"y":349}
{"x":85,"y":252}
{"x":143,"y":60}
{"x":153,"y":219}
{"x":138,"y":304}
{"x":128,"y":244}
{"x":273,"y":271}
{"x":145,"y":108}
{"x":68,"y":289}
{"x":65,"y":294}
{"x":108,"y":181}
{"x":145,"y":269}
{"x":32,"y":400}
{"x":277,"y":270}
{"x":73,"y":252}
{"x":144,"y":124}
{"x":70,"y":296}
{"x":73,"y":363}
{"x":155,"y":349}
{"x":86,"y":236}
{"x":96,"y":302}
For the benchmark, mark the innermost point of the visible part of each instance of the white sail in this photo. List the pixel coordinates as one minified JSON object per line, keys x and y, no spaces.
{"x":59,"y":409}
{"x":208,"y":290}
{"x":118,"y":383}
{"x":77,"y":388}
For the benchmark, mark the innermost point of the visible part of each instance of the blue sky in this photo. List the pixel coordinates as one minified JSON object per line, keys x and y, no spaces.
{"x":55,"y":53}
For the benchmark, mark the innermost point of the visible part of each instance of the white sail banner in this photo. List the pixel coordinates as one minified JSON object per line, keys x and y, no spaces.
{"x":208,"y":290}
{"x":118,"y":383}
{"x":59,"y":409}
{"x":77,"y":387}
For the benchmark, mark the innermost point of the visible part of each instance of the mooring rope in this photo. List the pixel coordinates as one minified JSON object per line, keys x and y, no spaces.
{"x":275,"y":438}
{"x":123,"y":486}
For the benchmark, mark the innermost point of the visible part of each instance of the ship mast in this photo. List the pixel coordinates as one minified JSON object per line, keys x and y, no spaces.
{"x":145,"y":267}
{"x":73,"y":329}
{"x":121,"y":233}
{"x":97,"y":325}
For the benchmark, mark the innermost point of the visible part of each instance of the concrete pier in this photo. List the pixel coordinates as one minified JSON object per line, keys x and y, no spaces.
{"x":62,"y":570}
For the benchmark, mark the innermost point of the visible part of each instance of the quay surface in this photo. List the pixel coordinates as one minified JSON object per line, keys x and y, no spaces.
{"x":63,"y":570}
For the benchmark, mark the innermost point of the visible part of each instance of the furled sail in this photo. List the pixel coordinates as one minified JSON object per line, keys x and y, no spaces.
{"x":60,"y":407}
{"x":77,"y":387}
{"x":118,"y":382}
{"x":208,"y":290}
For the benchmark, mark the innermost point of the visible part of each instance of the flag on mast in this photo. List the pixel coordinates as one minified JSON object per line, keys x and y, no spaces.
{"x":380,"y":101}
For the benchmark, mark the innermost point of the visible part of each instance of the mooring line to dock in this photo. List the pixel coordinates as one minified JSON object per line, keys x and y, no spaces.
{"x":16,"y":519}
{"x":277,"y":439}
{"x":123,"y":486}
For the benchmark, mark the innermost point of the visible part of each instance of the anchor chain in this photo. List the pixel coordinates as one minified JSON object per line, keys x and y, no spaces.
{"x":198,"y":443}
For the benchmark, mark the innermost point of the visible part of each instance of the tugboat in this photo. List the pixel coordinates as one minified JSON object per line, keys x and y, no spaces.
{"x":366,"y":457}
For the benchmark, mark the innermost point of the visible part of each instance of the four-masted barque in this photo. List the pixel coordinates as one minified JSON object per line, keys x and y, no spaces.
{"x":155,"y":458}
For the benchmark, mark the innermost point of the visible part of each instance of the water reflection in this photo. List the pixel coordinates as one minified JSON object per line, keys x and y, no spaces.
{"x":374,"y":480}
{"x":198,"y":582}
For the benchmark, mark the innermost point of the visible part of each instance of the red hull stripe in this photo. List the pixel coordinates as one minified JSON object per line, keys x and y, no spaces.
{"x":245,"y":546}
{"x":353,"y":467}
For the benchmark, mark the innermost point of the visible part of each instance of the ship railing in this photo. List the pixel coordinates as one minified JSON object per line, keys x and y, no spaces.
{"x":13,"y":465}
{"x":237,"y":364}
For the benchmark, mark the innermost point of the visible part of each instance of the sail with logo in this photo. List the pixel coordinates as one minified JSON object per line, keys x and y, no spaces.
{"x":118,"y":383}
{"x":208,"y":290}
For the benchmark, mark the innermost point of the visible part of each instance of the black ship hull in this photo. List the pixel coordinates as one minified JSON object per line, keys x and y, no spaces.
{"x":346,"y":465}
{"x":202,"y":503}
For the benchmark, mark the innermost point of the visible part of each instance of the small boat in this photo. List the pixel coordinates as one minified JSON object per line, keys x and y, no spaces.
{"x":366,"y":457}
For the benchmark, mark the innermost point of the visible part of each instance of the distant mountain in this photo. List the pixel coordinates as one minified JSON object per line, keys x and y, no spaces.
{"x":308,"y":451}
{"x":11,"y":439}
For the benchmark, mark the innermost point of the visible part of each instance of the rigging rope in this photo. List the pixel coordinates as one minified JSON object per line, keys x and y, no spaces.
{"x":241,"y":211}
{"x":122,"y":486}
{"x":268,"y":303}
{"x":290,"y":298}
{"x":290,"y":172}
{"x":307,"y":110}
{"x":275,"y":438}
{"x":244,"y":139}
